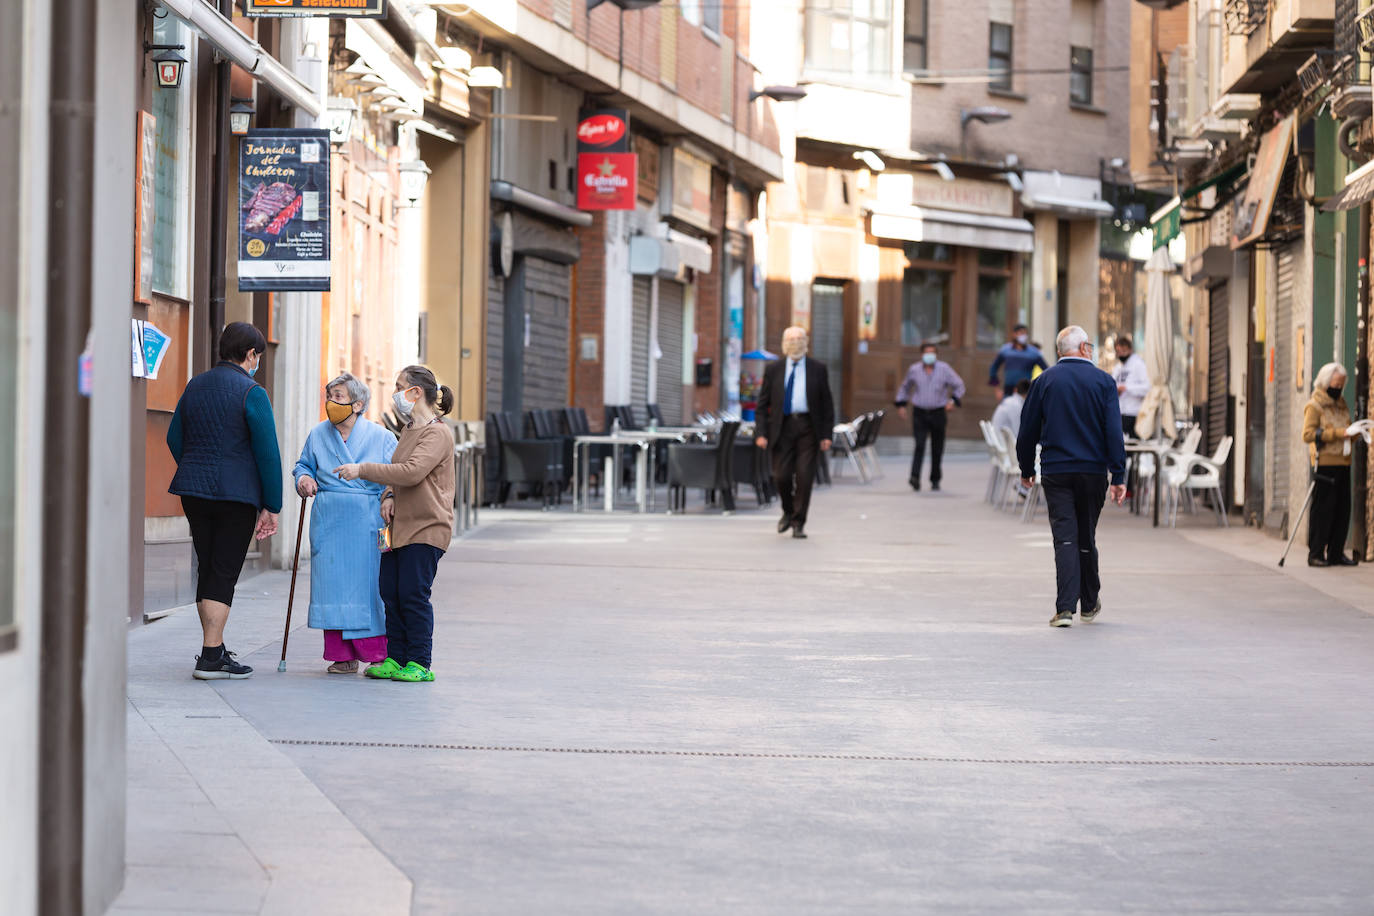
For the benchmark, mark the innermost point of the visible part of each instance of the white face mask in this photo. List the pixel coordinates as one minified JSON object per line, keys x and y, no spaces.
{"x":403,"y":407}
{"x":1022,"y":339}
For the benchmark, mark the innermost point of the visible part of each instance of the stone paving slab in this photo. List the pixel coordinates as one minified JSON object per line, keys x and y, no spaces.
{"x":1206,"y":747}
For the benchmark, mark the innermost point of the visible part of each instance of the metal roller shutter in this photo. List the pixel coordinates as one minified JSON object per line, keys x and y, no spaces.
{"x":1218,"y":366}
{"x":496,"y":297}
{"x":827,"y":335}
{"x":546,"y":357}
{"x":1283,"y":381}
{"x":670,"y":296}
{"x":639,"y":344}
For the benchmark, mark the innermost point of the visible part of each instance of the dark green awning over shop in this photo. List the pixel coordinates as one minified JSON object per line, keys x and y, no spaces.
{"x":1168,"y":222}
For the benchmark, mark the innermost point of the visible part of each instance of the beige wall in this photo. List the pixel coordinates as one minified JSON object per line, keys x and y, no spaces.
{"x":1045,"y":131}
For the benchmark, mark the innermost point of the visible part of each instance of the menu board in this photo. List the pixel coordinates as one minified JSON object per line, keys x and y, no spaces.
{"x":283,"y":180}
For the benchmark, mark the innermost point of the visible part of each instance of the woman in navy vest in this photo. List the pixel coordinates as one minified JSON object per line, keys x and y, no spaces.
{"x":229,"y":478}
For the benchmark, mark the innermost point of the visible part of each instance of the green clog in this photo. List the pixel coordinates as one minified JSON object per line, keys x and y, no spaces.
{"x":384,"y":670}
{"x":413,"y":673}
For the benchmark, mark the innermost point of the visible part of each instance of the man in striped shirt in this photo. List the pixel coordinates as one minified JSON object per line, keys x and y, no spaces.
{"x":932,"y":388}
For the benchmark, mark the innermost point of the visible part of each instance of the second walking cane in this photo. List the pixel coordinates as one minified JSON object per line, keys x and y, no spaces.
{"x":291,"y":596}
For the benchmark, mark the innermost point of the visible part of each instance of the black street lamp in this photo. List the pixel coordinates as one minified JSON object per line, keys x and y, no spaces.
{"x":987,"y":114}
{"x":779,"y":93}
{"x":169,"y":64}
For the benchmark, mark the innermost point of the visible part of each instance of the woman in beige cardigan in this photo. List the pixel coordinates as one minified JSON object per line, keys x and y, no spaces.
{"x":1327,"y":430}
{"x":418,"y":508}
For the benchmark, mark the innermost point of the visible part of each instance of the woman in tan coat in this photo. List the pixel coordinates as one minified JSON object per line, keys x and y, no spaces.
{"x":418,"y":508}
{"x":1327,"y":430}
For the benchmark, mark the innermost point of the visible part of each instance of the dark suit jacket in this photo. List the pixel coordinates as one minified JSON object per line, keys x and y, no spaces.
{"x":768,"y":410}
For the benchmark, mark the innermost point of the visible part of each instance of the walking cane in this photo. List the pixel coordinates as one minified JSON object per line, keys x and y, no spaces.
{"x":1298,"y":524}
{"x":291,"y":596}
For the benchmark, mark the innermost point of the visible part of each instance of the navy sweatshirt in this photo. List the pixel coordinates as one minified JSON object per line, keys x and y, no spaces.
{"x":1073,"y":414}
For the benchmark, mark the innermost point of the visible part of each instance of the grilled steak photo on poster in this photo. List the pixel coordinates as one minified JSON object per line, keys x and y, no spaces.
{"x":270,"y":207}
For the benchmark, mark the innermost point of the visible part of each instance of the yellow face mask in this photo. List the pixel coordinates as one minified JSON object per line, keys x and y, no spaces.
{"x":336,"y":412}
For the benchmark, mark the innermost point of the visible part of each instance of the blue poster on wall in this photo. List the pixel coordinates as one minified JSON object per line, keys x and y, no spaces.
{"x":284,"y":210}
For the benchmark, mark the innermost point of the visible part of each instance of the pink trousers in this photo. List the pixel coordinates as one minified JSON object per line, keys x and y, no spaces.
{"x":338,"y":649}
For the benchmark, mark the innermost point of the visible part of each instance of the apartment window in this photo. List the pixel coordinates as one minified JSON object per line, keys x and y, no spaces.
{"x":1001,"y":16}
{"x":926,"y":284}
{"x":1081,"y":76}
{"x":849,"y":37}
{"x":710,"y":16}
{"x":691,"y":10}
{"x":1082,"y":26}
{"x":914,"y":40}
{"x":172,"y":172}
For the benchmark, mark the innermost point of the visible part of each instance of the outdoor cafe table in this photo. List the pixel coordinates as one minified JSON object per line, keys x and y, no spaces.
{"x":1135,"y":450}
{"x":581,"y":445}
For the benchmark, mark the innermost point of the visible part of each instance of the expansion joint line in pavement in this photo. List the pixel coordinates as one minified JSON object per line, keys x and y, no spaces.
{"x":761,"y":755}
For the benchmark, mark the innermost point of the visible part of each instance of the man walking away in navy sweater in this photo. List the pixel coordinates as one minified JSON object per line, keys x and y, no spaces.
{"x":1072,"y":413}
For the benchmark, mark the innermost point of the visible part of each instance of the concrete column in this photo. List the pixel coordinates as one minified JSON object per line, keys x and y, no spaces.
{"x":304,"y":44}
{"x":619,"y":312}
{"x":1085,"y":282}
{"x":1044,"y":280}
{"x":410,"y":242}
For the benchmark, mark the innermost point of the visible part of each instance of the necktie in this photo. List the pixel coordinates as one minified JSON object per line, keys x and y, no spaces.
{"x":787,"y":391}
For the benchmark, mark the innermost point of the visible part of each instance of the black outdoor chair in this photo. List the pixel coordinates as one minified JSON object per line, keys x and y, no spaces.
{"x":750,"y":467}
{"x":654,"y":414}
{"x":708,"y":465}
{"x":576,"y":422}
{"x":549,"y":425}
{"x":537,"y":463}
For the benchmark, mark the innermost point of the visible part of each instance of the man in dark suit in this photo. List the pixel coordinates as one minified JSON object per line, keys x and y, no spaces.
{"x":795,"y":415}
{"x":1073,"y":414}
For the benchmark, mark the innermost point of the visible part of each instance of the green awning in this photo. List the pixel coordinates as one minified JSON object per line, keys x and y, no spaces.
{"x":1167,"y":222}
{"x":1226,"y":177}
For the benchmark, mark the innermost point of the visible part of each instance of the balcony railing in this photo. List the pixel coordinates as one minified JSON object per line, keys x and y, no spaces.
{"x":1243,"y":17}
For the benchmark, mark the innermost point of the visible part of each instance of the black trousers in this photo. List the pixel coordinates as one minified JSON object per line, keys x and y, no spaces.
{"x":794,"y":466}
{"x":1128,"y":426}
{"x":405,"y":580}
{"x":220,"y":532}
{"x":1329,"y":519}
{"x":930,"y":423}
{"x":1075,"y":501}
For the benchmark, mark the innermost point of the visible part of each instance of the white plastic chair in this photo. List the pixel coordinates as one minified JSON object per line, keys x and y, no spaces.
{"x":994,"y":461}
{"x":1199,"y":472}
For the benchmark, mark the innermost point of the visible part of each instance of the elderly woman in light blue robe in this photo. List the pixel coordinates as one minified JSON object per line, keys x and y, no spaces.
{"x":345,"y":552}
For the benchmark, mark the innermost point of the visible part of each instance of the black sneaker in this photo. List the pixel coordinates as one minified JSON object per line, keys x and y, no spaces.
{"x":221,"y":668}
{"x":915,"y":485}
{"x":1064,"y":619}
{"x":1090,"y":616}
{"x":935,"y":484}
{"x":784,"y":523}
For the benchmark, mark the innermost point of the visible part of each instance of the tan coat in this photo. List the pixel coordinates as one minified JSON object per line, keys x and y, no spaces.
{"x":1329,"y":419}
{"x":420,"y":476}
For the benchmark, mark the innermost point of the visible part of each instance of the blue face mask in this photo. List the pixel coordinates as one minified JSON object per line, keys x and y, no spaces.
{"x":254,"y":371}
{"x":928,"y":358}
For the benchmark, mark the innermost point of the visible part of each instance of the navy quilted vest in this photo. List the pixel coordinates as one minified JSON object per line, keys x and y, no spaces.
{"x":217,"y":454}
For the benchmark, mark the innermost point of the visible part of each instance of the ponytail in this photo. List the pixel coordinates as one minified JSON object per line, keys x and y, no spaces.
{"x":440,"y":397}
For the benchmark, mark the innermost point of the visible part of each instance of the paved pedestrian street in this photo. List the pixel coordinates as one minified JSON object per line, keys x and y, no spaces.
{"x":692,"y":714}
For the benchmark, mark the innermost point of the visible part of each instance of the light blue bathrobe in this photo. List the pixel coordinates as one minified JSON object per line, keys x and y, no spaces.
{"x":344,"y":557}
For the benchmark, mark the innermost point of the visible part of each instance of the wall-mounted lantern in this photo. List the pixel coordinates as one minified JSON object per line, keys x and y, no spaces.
{"x":414,"y":177}
{"x":169,"y":64}
{"x":240,"y":116}
{"x":341,"y":113}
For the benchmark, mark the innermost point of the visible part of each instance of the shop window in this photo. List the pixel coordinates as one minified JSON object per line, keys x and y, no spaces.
{"x":172,"y":172}
{"x":925,"y":306}
{"x":849,"y":37}
{"x":992,"y":310}
{"x":914,"y":41}
{"x":929,"y":251}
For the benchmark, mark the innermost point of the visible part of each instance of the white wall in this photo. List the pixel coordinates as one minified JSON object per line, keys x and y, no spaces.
{"x":18,"y":686}
{"x":108,"y":506}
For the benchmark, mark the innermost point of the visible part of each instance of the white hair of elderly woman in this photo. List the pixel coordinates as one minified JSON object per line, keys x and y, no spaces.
{"x":357,"y":391}
{"x":1324,"y":374}
{"x":1070,"y":340}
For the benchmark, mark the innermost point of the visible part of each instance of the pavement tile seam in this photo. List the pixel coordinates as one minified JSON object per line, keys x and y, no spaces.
{"x":763,"y":755}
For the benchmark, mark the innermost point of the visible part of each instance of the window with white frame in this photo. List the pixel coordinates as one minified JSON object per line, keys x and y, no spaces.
{"x":710,"y":15}
{"x":849,"y":38}
{"x":691,"y":10}
{"x":172,"y":172}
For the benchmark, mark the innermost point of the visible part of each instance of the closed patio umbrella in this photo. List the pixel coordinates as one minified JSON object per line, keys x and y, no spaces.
{"x":1157,"y":413}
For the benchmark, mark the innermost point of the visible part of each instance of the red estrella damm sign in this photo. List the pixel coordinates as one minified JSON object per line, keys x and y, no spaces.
{"x":606,"y":181}
{"x":605,"y":130}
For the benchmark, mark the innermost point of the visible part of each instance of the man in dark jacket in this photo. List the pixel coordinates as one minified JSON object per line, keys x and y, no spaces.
{"x":1072,"y":413}
{"x":795,"y":415}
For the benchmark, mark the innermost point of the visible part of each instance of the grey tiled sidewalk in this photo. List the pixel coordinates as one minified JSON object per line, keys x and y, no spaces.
{"x":691,"y":714}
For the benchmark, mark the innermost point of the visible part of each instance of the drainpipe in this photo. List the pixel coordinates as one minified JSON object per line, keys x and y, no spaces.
{"x":61,"y":735}
{"x":219,"y":198}
{"x":1360,"y":462}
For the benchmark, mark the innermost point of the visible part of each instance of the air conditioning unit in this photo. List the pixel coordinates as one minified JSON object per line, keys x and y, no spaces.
{"x":1240,"y":106}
